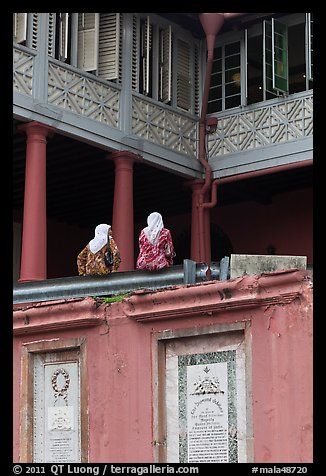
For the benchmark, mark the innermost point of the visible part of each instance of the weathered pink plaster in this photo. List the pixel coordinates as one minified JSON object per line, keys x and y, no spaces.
{"x":278,"y":308}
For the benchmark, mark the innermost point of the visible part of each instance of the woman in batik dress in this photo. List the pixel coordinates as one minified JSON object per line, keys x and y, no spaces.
{"x":156,"y":249}
{"x":91,"y":259}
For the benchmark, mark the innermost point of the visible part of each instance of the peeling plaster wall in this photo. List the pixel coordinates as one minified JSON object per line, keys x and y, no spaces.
{"x":119,"y":342}
{"x":282,"y":383}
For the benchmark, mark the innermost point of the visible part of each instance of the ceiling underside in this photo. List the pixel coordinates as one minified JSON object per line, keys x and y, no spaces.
{"x":191,"y":21}
{"x":80,"y":184}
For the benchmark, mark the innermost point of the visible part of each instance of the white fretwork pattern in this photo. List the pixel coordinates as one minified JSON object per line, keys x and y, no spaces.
{"x":83,"y":96}
{"x":274,"y":124}
{"x":170,"y":129}
{"x":23,"y":71}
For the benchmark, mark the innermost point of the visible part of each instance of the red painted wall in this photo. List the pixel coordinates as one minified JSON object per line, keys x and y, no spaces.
{"x":278,"y":307}
{"x":286,"y":223}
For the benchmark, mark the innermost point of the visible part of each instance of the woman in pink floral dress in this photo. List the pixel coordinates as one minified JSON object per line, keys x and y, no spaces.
{"x":156,"y":249}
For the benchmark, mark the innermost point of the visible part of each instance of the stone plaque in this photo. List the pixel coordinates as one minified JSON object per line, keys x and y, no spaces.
{"x":56,"y":414}
{"x":206,"y":401}
{"x":207,"y":413}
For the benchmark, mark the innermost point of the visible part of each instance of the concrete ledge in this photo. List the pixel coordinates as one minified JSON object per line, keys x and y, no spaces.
{"x":241,"y":265}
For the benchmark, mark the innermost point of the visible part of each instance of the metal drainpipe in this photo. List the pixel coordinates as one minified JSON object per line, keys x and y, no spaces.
{"x":248,"y":175}
{"x":211,"y":23}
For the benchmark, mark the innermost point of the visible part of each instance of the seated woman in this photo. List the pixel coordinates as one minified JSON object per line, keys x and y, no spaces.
{"x":91,"y":260}
{"x":156,"y":249}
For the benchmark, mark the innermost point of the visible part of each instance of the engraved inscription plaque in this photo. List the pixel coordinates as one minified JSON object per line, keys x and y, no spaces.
{"x":205,"y":399}
{"x":207,"y":413}
{"x":56,"y":409}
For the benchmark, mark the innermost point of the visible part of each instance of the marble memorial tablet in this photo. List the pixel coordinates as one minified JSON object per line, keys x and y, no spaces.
{"x":56,"y":415}
{"x":205,"y":402}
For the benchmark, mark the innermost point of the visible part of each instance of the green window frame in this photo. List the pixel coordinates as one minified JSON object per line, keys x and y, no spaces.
{"x":275,"y":61}
{"x":225,"y":87}
{"x":309,"y":45}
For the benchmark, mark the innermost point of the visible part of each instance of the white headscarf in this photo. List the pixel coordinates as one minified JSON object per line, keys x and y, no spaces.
{"x":155,"y":225}
{"x":100,"y":239}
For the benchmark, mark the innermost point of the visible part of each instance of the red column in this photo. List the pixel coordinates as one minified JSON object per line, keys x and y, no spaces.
{"x":33,"y":256}
{"x":207,"y":228}
{"x":196,"y":253}
{"x":196,"y":186}
{"x":123,"y":208}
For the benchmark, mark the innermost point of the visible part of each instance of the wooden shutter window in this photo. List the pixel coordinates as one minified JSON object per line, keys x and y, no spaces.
{"x":109,"y":46}
{"x":34,"y":30}
{"x":63,"y":36}
{"x":165,"y":64}
{"x":88,"y":29}
{"x":196,"y":79}
{"x":51,"y":34}
{"x":20,"y":27}
{"x":146,"y":45}
{"x":135,"y":54}
{"x":183,"y":75}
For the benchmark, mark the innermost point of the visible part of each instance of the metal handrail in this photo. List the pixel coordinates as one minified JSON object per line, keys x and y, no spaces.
{"x":116,"y":283}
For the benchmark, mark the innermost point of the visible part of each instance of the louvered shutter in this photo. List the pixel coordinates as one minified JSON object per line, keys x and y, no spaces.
{"x":146,"y":45}
{"x":20,"y":27}
{"x":183,"y":75}
{"x":135,"y":54}
{"x":165,"y":64}
{"x":51,"y":34}
{"x":33,"y":31}
{"x":109,"y":46}
{"x":196,"y":79}
{"x":87,"y":41}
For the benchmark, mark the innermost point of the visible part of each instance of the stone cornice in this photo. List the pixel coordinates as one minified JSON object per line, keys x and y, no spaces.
{"x":209,"y":298}
{"x":213,"y":297}
{"x":53,"y":315}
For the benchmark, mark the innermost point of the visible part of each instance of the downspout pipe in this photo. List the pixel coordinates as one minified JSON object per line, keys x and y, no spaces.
{"x":211,"y":23}
{"x":255,"y":173}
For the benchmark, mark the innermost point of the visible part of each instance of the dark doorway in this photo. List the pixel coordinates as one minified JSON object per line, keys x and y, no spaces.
{"x":220,"y":244}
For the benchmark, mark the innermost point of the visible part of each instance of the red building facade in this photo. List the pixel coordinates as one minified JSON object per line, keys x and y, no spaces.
{"x":208,"y":119}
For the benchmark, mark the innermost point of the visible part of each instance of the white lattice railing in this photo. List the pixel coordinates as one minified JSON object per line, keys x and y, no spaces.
{"x":270,"y":123}
{"x":82,"y":95}
{"x":256,"y":126}
{"x":162,"y":126}
{"x":23,"y":63}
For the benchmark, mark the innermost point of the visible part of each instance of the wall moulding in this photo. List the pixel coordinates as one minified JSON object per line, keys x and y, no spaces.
{"x":54,"y":352}
{"x":171,"y":351}
{"x":49,"y":316}
{"x":280,"y":287}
